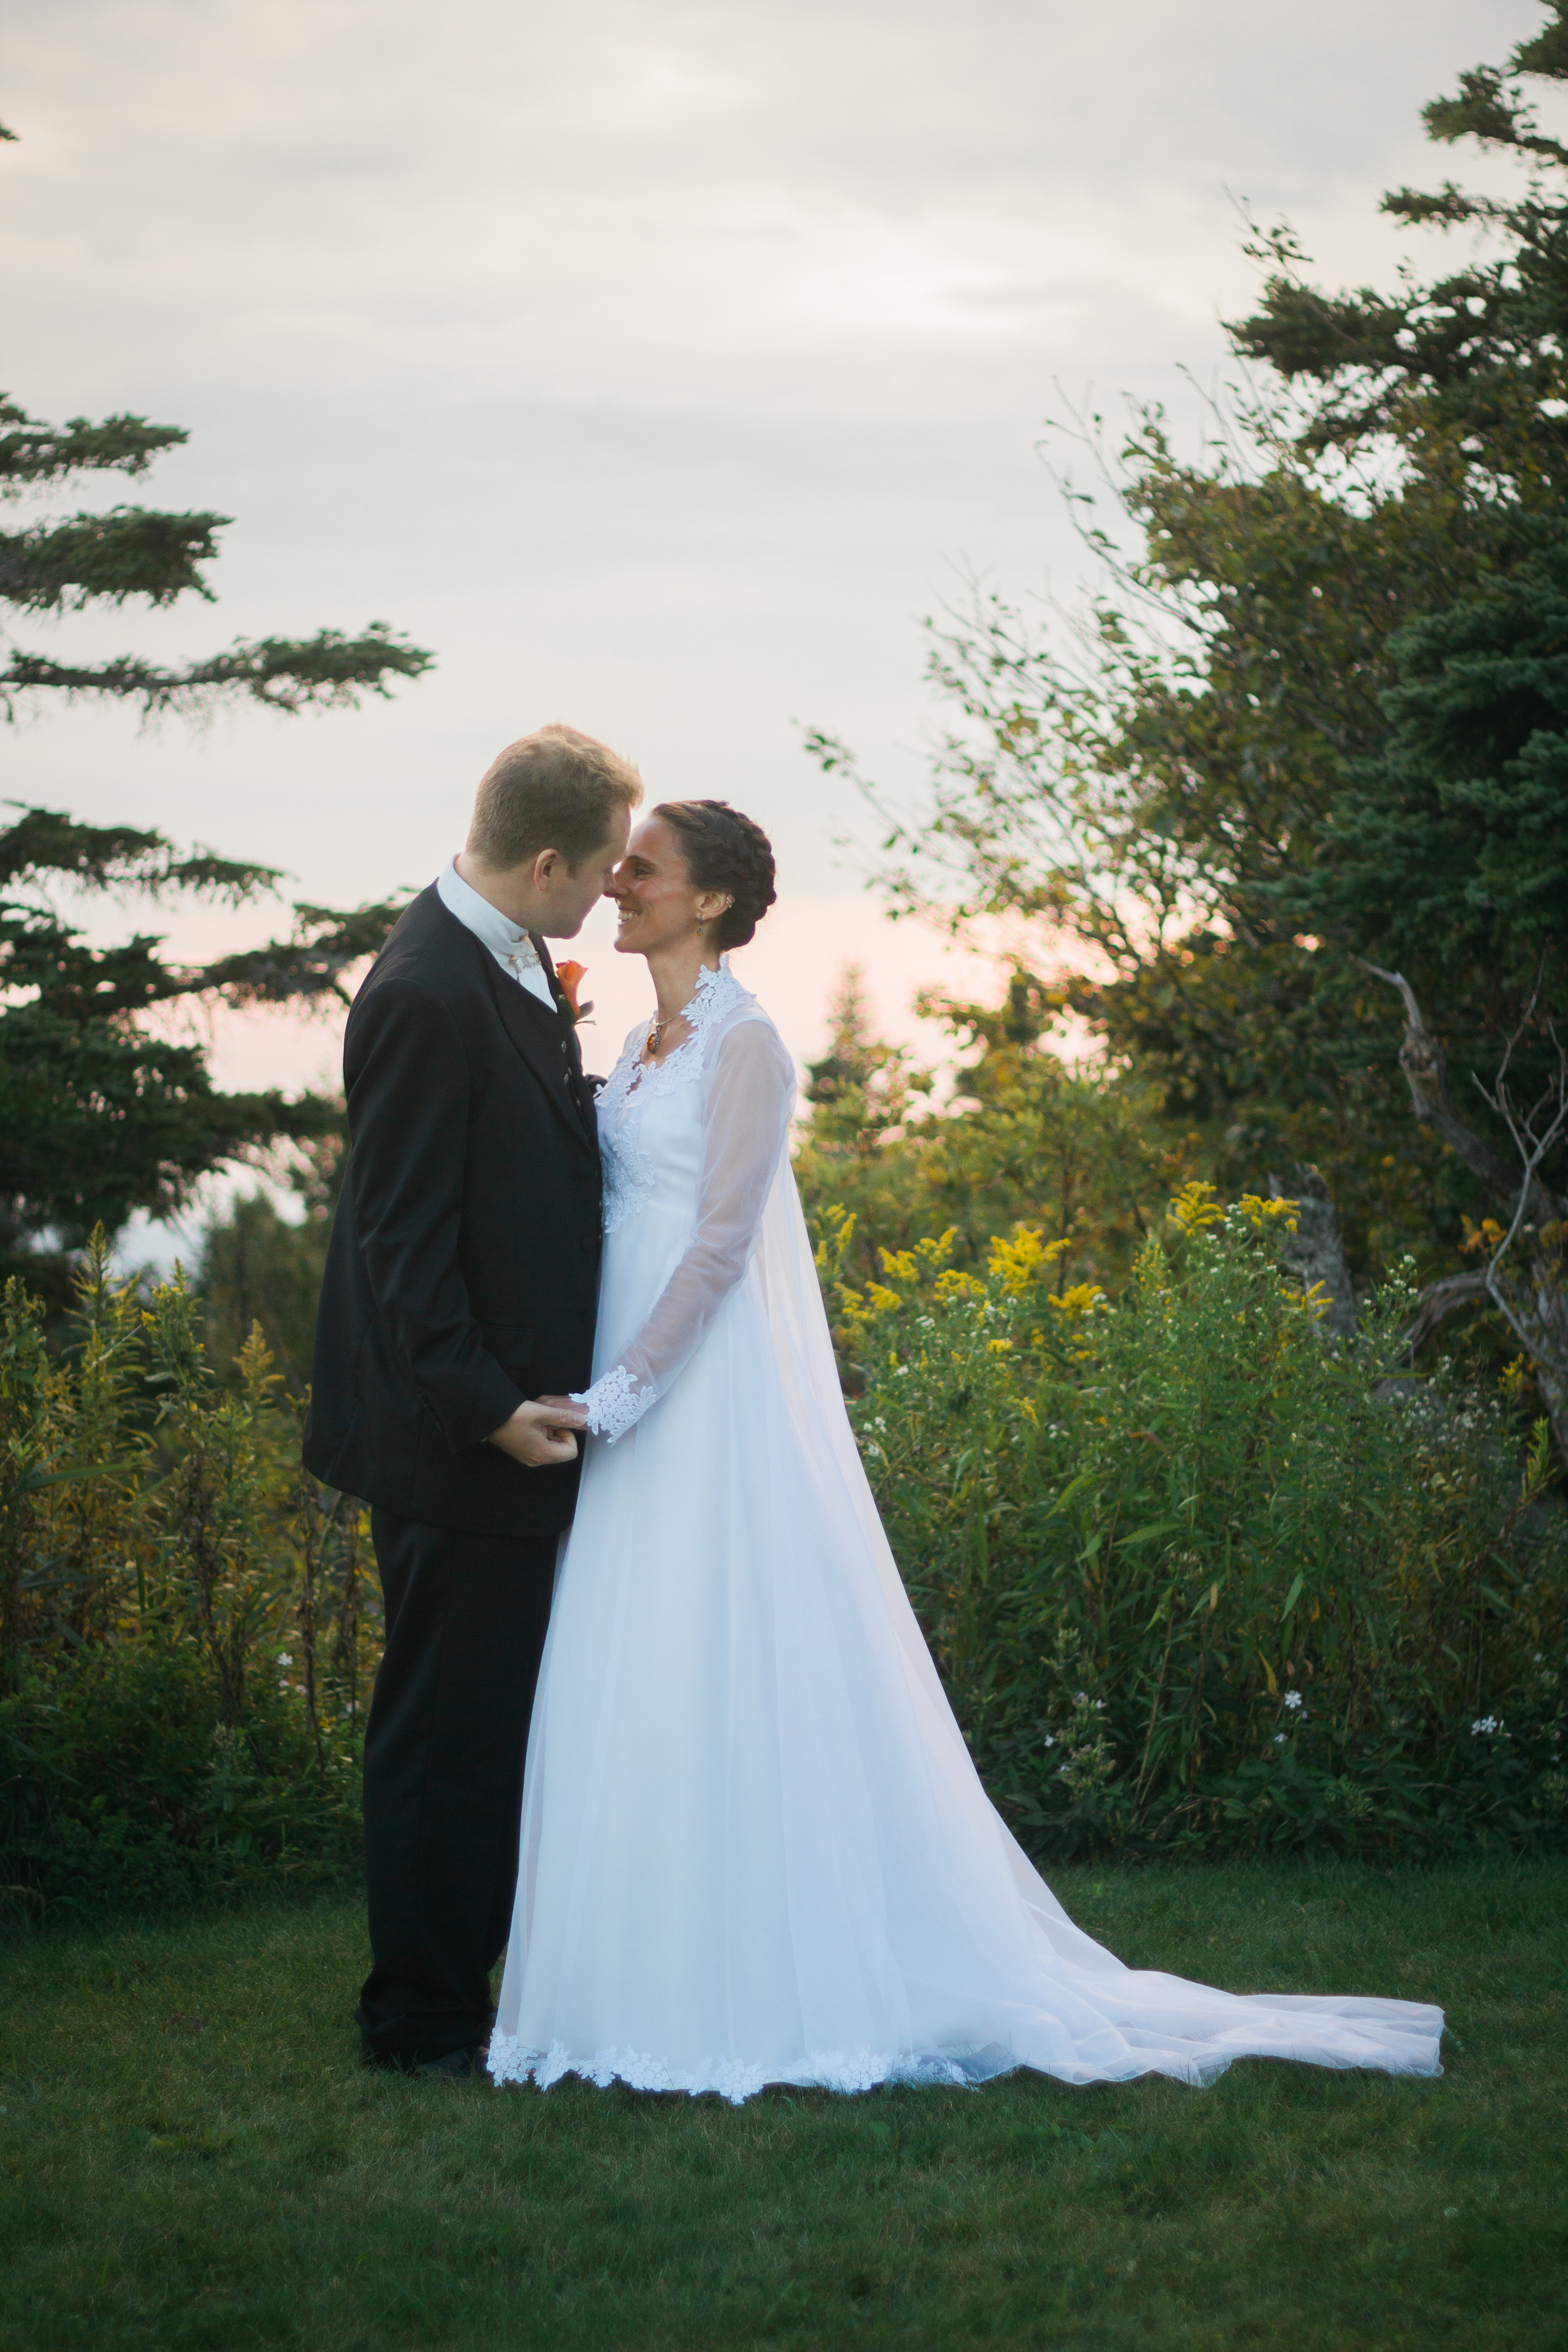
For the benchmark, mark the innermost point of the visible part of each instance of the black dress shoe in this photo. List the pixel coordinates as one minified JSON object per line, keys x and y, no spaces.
{"x":457,"y":2065}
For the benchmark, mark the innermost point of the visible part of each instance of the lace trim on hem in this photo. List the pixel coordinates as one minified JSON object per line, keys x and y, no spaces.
{"x":614,"y":1405}
{"x":735,"y":2079}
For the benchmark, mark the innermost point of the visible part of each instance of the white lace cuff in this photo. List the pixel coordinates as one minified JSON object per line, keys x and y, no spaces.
{"x":614,"y":1404}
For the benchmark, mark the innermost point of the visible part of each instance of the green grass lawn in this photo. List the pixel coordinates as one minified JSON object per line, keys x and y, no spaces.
{"x":191,"y":2155}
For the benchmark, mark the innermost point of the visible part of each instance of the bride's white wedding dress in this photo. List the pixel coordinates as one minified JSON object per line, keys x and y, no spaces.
{"x":754,"y":1848}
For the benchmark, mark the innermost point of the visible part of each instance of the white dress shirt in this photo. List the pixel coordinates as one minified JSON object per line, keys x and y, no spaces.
{"x":512,"y":950}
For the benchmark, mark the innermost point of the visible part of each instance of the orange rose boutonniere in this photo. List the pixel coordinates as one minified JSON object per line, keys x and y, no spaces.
{"x":572,"y":976}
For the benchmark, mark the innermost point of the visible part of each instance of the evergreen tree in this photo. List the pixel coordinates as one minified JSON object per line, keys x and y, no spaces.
{"x":101,"y":1112}
{"x":863,"y":1090}
{"x":1318,"y":723}
{"x":61,"y":565}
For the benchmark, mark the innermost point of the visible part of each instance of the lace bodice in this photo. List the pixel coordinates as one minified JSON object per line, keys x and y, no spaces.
{"x":743,"y":1084}
{"x":633,"y":1084}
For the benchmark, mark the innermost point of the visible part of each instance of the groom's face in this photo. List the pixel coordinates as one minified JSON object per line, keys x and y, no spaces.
{"x":573,"y":889}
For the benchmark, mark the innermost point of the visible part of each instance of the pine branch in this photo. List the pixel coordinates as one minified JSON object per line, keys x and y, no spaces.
{"x":130,"y":551}
{"x":326,"y":943}
{"x":102,"y":857}
{"x":1483,"y":110}
{"x":1547,"y":53}
{"x":328,"y":671}
{"x":32,"y":453}
{"x":1449,"y":207}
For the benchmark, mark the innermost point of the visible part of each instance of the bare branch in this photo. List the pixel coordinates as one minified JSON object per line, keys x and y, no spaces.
{"x":1532,"y":1141}
{"x":1424,"y":1065}
{"x":1441,"y":1299}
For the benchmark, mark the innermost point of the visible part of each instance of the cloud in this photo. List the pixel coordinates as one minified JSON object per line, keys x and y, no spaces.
{"x":654,"y":365}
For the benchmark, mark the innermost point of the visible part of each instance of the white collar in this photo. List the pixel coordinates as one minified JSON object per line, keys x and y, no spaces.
{"x":490,"y":926}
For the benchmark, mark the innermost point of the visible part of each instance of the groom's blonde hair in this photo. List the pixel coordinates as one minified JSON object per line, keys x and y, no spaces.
{"x":557,"y":789}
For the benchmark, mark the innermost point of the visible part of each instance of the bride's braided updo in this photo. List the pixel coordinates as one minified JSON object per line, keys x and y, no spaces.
{"x":725,"y":851}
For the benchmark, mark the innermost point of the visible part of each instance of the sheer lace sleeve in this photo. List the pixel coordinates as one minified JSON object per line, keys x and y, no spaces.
{"x":749,"y":1096}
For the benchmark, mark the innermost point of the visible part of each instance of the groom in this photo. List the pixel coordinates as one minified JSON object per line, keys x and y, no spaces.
{"x":460,"y":1289}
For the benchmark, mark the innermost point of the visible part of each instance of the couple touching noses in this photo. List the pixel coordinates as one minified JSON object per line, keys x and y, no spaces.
{"x":666,"y":918}
{"x":457,"y":1316}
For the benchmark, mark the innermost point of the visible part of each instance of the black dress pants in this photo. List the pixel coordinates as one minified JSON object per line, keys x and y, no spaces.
{"x":442,"y":1777}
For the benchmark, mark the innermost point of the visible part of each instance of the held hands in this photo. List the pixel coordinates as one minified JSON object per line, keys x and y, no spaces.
{"x":540,"y":1433}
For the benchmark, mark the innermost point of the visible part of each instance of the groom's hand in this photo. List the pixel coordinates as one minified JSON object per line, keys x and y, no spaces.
{"x":539,"y":1434}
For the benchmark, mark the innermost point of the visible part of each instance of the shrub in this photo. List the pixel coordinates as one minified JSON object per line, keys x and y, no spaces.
{"x":186,"y":1628}
{"x":1197,"y":1577}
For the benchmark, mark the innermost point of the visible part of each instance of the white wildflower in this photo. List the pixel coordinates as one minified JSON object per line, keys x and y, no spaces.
{"x":1293,"y":1699}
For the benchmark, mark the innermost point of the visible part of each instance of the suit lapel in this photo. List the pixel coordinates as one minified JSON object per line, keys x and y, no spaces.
{"x":539,"y":1036}
{"x":569,"y":1025}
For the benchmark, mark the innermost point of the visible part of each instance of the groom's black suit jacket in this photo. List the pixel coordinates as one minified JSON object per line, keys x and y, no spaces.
{"x":462,"y":1274}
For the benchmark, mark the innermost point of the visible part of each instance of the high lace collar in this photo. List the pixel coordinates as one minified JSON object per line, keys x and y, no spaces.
{"x":717,"y":992}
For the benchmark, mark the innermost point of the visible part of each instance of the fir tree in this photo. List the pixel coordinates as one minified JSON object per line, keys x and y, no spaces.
{"x":1315,"y":730}
{"x":101,"y":1113}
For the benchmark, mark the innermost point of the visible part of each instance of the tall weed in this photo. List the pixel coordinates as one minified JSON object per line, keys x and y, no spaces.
{"x":1198,"y":1577}
{"x":186,"y":1633}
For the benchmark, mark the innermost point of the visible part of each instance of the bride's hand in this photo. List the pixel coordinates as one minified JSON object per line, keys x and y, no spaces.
{"x":540,"y":1433}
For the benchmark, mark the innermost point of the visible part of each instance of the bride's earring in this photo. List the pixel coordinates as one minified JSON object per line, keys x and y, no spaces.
{"x":702,"y":922}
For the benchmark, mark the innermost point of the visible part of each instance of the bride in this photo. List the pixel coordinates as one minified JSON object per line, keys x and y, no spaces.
{"x":754,"y":1848}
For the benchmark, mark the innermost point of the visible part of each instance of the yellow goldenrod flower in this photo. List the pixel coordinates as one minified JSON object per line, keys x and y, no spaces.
{"x":1018,"y":1261}
{"x":950,"y":1285}
{"x":1259,"y":1212}
{"x":1195,"y":1208}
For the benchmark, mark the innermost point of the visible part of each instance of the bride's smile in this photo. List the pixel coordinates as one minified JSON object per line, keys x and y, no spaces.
{"x":661,"y":907}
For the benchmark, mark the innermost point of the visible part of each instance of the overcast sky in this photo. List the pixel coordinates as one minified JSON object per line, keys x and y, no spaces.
{"x":658,"y":366}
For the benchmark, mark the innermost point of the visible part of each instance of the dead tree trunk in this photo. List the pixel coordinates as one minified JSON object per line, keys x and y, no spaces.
{"x":1526,"y":1279}
{"x":1315,"y":1251}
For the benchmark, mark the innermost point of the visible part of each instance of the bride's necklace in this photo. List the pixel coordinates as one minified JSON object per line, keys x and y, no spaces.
{"x":655,"y":1037}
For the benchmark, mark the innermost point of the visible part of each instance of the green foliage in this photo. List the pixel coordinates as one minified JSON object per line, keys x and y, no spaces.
{"x":1477,"y":353}
{"x":124,"y":1789}
{"x":101,"y":1113}
{"x":1316,"y":713}
{"x":193,"y":2160}
{"x":32,"y":454}
{"x":186,"y":1630}
{"x":327,"y":672}
{"x":1448,"y":854}
{"x":1085,"y":1151}
{"x":139,"y":553}
{"x":863,"y":1090}
{"x":127,"y":551}
{"x":1024,"y":1135}
{"x":1196,"y":1578}
{"x":260,"y":1269}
